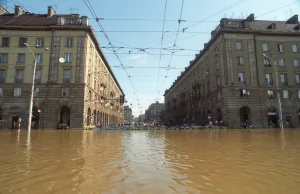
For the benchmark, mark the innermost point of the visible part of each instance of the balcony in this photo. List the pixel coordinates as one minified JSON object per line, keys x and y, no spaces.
{"x":284,"y":83}
{"x":19,"y":81}
{"x":66,"y":80}
{"x":37,"y":81}
{"x":269,"y":83}
{"x":242,"y":82}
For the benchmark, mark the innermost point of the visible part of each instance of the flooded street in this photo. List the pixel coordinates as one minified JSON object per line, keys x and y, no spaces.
{"x":260,"y":161}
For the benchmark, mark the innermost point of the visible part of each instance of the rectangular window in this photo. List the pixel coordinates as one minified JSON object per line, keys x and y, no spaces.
{"x":69,"y":42}
{"x":238,"y":45}
{"x":283,"y":79}
{"x":295,"y":48}
{"x":241,"y":60}
{"x":297,"y":76}
{"x":21,"y":58}
{"x":217,"y":65}
{"x":243,"y":93}
{"x":271,"y":94}
{"x":39,"y":57}
{"x":269,"y":80}
{"x":296,"y":63}
{"x":19,"y":76}
{"x":285,"y":94}
{"x":90,"y":95}
{"x":22,"y":42}
{"x":241,"y":77}
{"x":17,"y":92}
{"x":38,"y":76}
{"x":65,"y":92}
{"x":281,"y":62}
{"x":298,"y":95}
{"x":3,"y":57}
{"x":265,"y":46}
{"x":218,"y":81}
{"x":281,"y":47}
{"x":40,"y":42}
{"x":68,"y":57}
{"x":216,"y":51}
{"x":5,"y":42}
{"x":266,"y":61}
{"x":2,"y":76}
{"x":1,"y":91}
{"x":36,"y":92}
{"x":67,"y":76}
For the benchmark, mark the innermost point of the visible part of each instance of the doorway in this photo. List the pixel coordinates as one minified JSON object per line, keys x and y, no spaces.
{"x":64,"y":116}
{"x":273,"y":117}
{"x":35,"y":118}
{"x":245,"y":116}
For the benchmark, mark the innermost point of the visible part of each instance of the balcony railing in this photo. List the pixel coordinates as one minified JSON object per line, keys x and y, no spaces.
{"x":66,"y":80}
{"x":19,"y":80}
{"x":284,"y":83}
{"x":242,"y":82}
{"x":269,"y":83}
{"x":297,"y":82}
{"x":2,"y":80}
{"x":37,"y":81}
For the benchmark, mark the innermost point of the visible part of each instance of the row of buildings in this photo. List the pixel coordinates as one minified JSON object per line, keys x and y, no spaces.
{"x":74,"y":83}
{"x":155,"y":113}
{"x":231,"y":81}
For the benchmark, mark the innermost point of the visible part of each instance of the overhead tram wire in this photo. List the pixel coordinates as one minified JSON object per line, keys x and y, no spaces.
{"x":88,"y":4}
{"x":277,"y":9}
{"x":179,"y":21}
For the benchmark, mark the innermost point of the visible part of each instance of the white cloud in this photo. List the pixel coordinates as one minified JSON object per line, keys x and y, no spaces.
{"x":139,"y":58}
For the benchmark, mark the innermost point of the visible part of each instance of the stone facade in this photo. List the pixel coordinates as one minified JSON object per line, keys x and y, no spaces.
{"x":231,"y":81}
{"x":81,"y":90}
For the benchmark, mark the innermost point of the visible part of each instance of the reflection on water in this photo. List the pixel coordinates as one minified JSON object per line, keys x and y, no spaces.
{"x":260,"y":161}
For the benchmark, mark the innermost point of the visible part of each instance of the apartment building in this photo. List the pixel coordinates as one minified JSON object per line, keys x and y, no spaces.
{"x":128,"y":114}
{"x":231,"y":81}
{"x":74,"y":83}
{"x":155,"y":112}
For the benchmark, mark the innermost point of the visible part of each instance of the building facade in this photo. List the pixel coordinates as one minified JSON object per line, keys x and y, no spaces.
{"x":231,"y":81}
{"x":74,"y":83}
{"x":128,"y":114}
{"x":155,"y":112}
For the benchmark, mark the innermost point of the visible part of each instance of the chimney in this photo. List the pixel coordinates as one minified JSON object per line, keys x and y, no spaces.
{"x":293,"y":20}
{"x":250,"y":18}
{"x":245,"y":24}
{"x":51,"y":11}
{"x":18,"y":10}
{"x":213,"y":33}
{"x":84,"y":21}
{"x":223,"y":23}
{"x":3,"y":10}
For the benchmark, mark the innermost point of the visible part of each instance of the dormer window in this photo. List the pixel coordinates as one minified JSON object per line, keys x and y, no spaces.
{"x":272,"y":26}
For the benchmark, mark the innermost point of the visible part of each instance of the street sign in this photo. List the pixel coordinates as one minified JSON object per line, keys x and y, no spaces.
{"x":25,"y":115}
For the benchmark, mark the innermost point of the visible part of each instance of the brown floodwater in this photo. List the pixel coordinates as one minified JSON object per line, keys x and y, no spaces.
{"x":257,"y":161}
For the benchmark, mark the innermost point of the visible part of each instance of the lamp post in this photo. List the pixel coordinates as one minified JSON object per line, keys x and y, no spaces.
{"x":32,"y":87}
{"x":278,"y":92}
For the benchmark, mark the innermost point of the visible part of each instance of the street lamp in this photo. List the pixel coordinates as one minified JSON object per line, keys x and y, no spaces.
{"x":32,"y":87}
{"x":278,"y":93}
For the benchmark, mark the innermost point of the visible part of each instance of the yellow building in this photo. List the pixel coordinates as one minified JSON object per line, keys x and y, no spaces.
{"x":74,"y":83}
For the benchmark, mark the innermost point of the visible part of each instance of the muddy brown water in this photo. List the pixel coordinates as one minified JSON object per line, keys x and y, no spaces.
{"x":257,"y":161}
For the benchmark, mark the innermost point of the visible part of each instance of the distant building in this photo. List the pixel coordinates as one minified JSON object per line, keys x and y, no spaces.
{"x":155,"y":112}
{"x":74,"y":84}
{"x":230,"y":80}
{"x":142,"y":118}
{"x":127,"y":114}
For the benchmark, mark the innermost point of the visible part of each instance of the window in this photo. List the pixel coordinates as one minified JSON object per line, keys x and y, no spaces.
{"x":208,"y":87}
{"x":296,"y":63}
{"x":69,"y":42}
{"x":295,"y":48}
{"x":22,"y":42}
{"x":285,"y":94}
{"x":68,"y":57}
{"x":271,"y":94}
{"x":281,"y":62}
{"x":19,"y":76}
{"x":2,"y":76}
{"x":89,"y":79}
{"x":65,"y":92}
{"x":280,"y":47}
{"x":267,"y":61}
{"x":5,"y":42}
{"x":241,"y":60}
{"x":67,"y":75}
{"x":298,"y":94}
{"x":3,"y":57}
{"x":297,"y":76}
{"x":243,"y":93}
{"x":283,"y":79}
{"x":241,"y":76}
{"x":238,"y":45}
{"x":1,"y":91}
{"x":40,"y":42}
{"x":38,"y":75}
{"x":39,"y":58}
{"x":36,"y":92}
{"x":17,"y":92}
{"x":269,"y":80}
{"x":218,"y":81}
{"x":216,"y":51}
{"x":217,"y":65}
{"x":265,"y":46}
{"x":21,"y":58}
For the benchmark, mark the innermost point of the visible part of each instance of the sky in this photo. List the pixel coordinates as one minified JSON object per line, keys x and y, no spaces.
{"x":152,"y":45}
